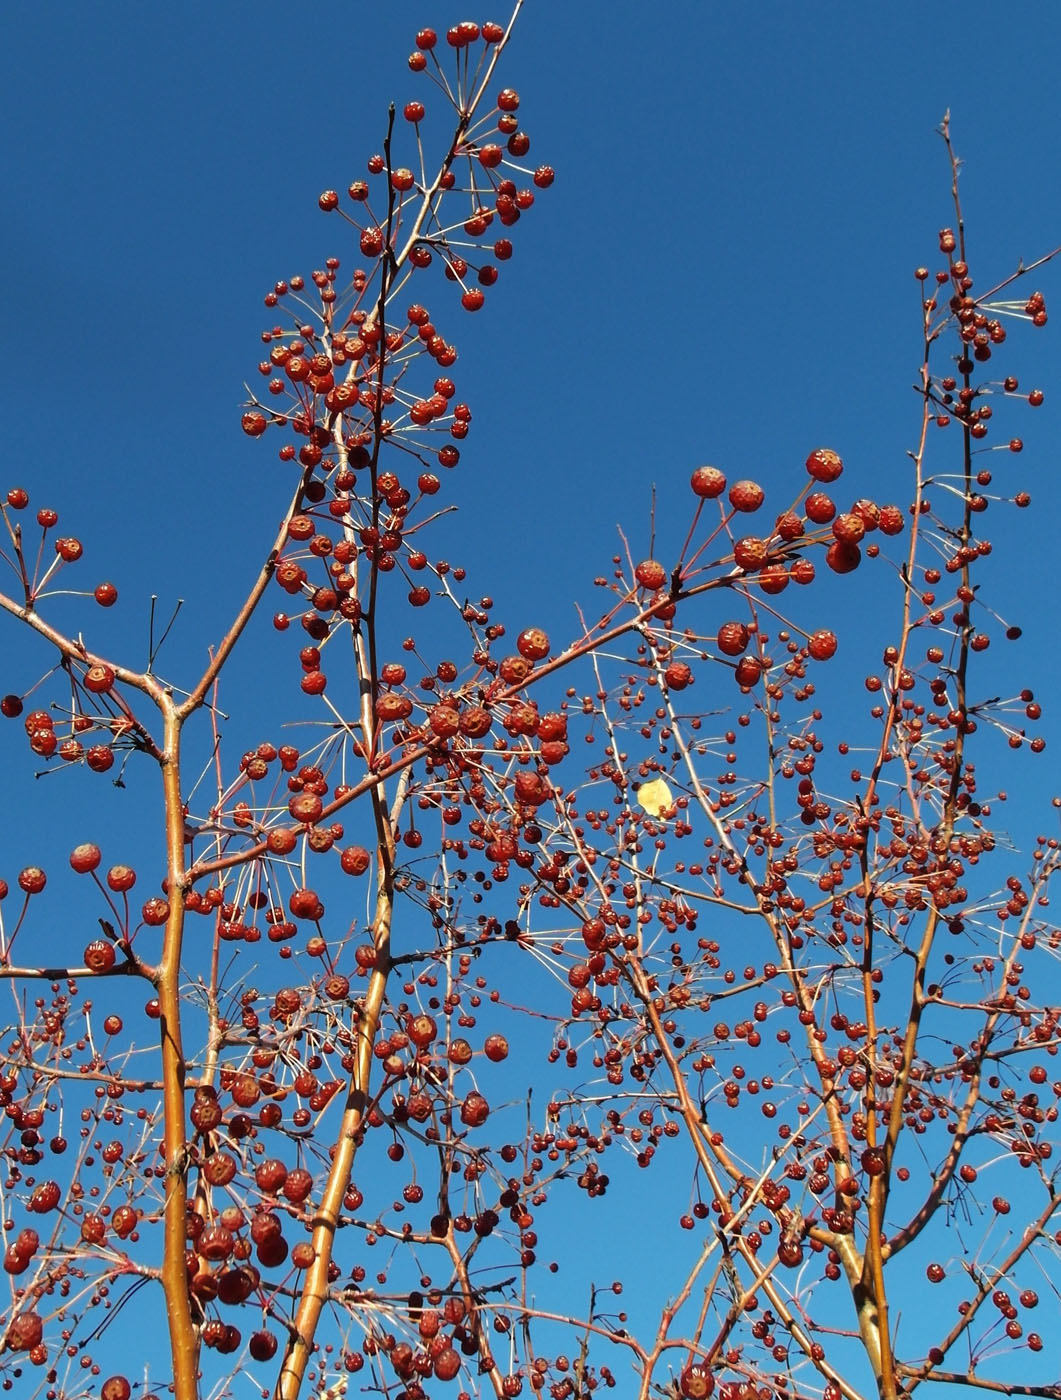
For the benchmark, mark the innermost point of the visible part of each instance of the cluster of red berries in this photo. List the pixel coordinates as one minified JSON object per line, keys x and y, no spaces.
{"x":773,"y":561}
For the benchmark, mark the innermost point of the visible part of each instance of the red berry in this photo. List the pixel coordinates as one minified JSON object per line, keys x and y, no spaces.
{"x":751,"y":552}
{"x":99,"y":678}
{"x":120,"y":878}
{"x":824,"y":464}
{"x":822,"y":644}
{"x":696,"y":1382}
{"x":708,"y":482}
{"x":849,"y":528}
{"x":650,"y":573}
{"x":355,"y":860}
{"x":85,"y":858}
{"x":32,"y":880}
{"x":106,"y":595}
{"x":474,"y":1110}
{"x":746,"y":495}
{"x":371,"y":246}
{"x":732,"y":638}
{"x":819,"y":507}
{"x":748,"y":670}
{"x":100,"y":955}
{"x":843,"y":557}
{"x":99,"y":758}
{"x":533,"y":644}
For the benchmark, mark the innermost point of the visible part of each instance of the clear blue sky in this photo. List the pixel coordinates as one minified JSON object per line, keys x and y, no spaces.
{"x":721,"y":273}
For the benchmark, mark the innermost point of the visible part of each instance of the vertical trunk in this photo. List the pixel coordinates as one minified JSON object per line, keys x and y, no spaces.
{"x":184,"y":1343}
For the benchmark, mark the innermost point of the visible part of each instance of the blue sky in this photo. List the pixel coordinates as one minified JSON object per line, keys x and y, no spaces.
{"x":721,"y":273}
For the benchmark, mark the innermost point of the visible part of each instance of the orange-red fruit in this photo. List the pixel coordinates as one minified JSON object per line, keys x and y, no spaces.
{"x":751,"y":552}
{"x":25,"y":1332}
{"x":447,"y":1363}
{"x":824,"y":464}
{"x":32,"y":880}
{"x":849,"y":528}
{"x":355,"y":860}
{"x":514,"y":670}
{"x":732,"y":638}
{"x":45,"y":1198}
{"x":533,"y":643}
{"x":262,"y":1345}
{"x":843,"y":557}
{"x":822,"y":644}
{"x":746,"y":495}
{"x":696,"y":1382}
{"x":444,"y":721}
{"x":304,"y":904}
{"x":474,"y":1110}
{"x":106,"y":595}
{"x":748,"y":670}
{"x":99,"y":678}
{"x":678,"y":675}
{"x":708,"y":482}
{"x":393,"y":707}
{"x":819,"y":508}
{"x":475,"y":722}
{"x":85,"y":858}
{"x":650,"y":573}
{"x":305,"y":807}
{"x":789,"y":526}
{"x":100,"y":955}
{"x":891,"y":520}
{"x":773,"y":578}
{"x":531,"y":788}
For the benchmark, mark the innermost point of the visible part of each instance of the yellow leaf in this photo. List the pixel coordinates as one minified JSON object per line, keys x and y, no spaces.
{"x":655,"y":797}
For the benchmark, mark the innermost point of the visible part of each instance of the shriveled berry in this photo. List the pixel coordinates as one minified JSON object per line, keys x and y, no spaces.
{"x":708,"y":482}
{"x":746,"y":495}
{"x":650,"y":573}
{"x":824,"y":464}
{"x":732,"y":638}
